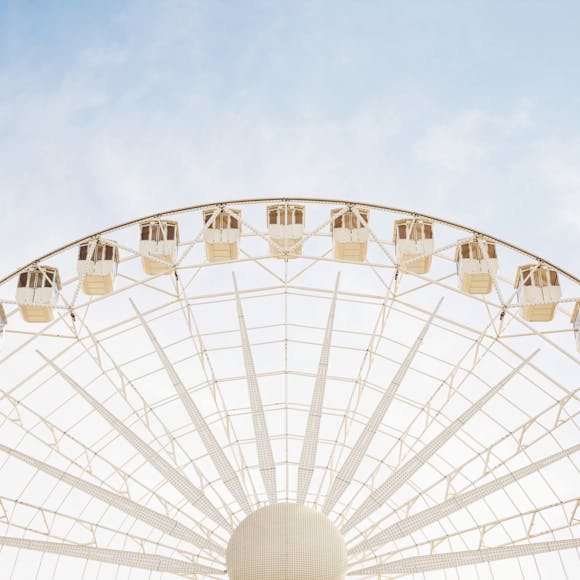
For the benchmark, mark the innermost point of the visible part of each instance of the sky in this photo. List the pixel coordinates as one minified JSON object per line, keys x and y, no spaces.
{"x":468,"y":110}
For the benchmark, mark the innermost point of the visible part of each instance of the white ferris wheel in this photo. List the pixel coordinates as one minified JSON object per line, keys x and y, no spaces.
{"x":289,"y":389}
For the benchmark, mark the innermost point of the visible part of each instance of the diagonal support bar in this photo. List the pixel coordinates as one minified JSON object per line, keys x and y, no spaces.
{"x":456,"y":503}
{"x":216,"y":453}
{"x":380,"y":495}
{"x":175,"y":477}
{"x":131,"y":508}
{"x":419,"y":564}
{"x":310,"y":445}
{"x":263,"y":444}
{"x":347,"y":471}
{"x":119,"y":557}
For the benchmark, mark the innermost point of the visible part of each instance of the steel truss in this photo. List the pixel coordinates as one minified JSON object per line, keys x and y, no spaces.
{"x":437,"y":429}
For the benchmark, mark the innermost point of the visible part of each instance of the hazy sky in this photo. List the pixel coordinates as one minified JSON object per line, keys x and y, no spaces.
{"x":468,"y":110}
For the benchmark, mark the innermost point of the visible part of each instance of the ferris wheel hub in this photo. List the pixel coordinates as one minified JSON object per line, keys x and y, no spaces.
{"x":286,"y":541}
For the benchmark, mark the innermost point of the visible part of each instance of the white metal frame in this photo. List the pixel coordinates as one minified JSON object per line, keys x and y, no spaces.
{"x":430,"y":432}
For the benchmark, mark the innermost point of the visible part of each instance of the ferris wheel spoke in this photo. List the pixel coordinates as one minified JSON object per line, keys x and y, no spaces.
{"x":556,"y":414}
{"x":424,"y":462}
{"x":375,"y":238}
{"x":419,"y":564}
{"x":424,"y":416}
{"x":310,"y":445}
{"x":398,"y":478}
{"x":365,"y":368}
{"x":311,"y":264}
{"x":151,"y":517}
{"x":427,"y":417}
{"x":36,"y":426}
{"x":544,"y":338}
{"x":50,"y":523}
{"x":346,"y":473}
{"x":263,"y":444}
{"x":258,"y":262}
{"x":218,"y":457}
{"x":217,"y":394}
{"x":456,"y":503}
{"x":29,"y":421}
{"x":119,"y":557}
{"x":535,"y":523}
{"x":146,"y":412}
{"x":173,"y":476}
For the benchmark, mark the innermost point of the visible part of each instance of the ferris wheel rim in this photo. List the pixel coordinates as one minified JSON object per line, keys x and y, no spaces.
{"x":314,"y":200}
{"x":373,"y":525}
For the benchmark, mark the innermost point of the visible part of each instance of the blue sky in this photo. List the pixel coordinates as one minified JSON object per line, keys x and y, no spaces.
{"x":469,"y":110}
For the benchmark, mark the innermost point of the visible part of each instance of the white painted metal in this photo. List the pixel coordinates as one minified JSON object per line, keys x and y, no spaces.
{"x":349,"y":234}
{"x":285,"y":228}
{"x":477,"y":265}
{"x":413,"y":238}
{"x":150,"y":517}
{"x":175,"y":477}
{"x":286,"y":541}
{"x":222,"y":235}
{"x":3,"y":322}
{"x":457,"y":502}
{"x":158,"y":243}
{"x":538,"y":292}
{"x":536,"y":523}
{"x":353,"y":460}
{"x":223,"y":466}
{"x":310,"y":444}
{"x":576,"y":324}
{"x":37,"y":293}
{"x":230,"y":413}
{"x":120,"y":557}
{"x":97,"y":266}
{"x":262,"y":437}
{"x":421,"y":564}
{"x":396,"y":480}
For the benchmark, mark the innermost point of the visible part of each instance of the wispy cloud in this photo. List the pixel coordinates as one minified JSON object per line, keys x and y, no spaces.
{"x":196,"y":101}
{"x":561,"y":169}
{"x":473,"y":138}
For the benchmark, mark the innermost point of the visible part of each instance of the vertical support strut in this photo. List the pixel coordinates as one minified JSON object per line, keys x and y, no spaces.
{"x":151,"y":562}
{"x":455,"y":503}
{"x":172,"y":475}
{"x":216,"y":453}
{"x":310,"y":445}
{"x":354,"y":458}
{"x":419,"y":564}
{"x":380,"y":495}
{"x":151,"y":517}
{"x":263,"y":444}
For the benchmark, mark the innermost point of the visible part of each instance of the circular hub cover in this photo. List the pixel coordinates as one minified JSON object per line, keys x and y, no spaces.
{"x":286,"y":541}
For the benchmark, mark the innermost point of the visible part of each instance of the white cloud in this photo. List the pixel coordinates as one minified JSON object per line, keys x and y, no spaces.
{"x":561,"y":169}
{"x":131,"y":128}
{"x":472,"y":138}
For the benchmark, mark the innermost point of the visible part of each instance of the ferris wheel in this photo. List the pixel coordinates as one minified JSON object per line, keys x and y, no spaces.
{"x":289,"y":389}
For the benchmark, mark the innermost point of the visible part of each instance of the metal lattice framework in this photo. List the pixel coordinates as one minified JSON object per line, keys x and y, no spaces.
{"x":437,"y":429}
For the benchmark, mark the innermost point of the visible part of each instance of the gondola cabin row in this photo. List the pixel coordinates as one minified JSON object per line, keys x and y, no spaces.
{"x":222,"y":234}
{"x":97,"y":266}
{"x":477,"y":265}
{"x":537,"y":285}
{"x":158,"y":244}
{"x":538,"y":290}
{"x":285,"y":230}
{"x":350,"y":233}
{"x":37,"y":293}
{"x":414,"y":244}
